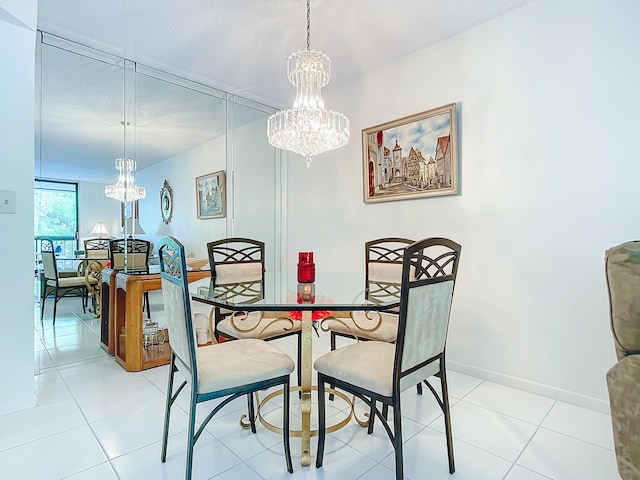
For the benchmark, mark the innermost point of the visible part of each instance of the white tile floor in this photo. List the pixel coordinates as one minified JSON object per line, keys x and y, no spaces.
{"x":96,"y":421}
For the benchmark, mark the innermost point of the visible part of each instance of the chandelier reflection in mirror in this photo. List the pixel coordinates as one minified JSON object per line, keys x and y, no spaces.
{"x":308,"y":129}
{"x":125,"y":190}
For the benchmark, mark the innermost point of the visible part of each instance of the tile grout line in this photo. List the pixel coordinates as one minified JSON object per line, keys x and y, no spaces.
{"x":538,"y":427}
{"x":102,"y":449}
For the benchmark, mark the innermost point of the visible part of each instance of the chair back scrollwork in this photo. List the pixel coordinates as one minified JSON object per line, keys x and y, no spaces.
{"x":96,"y":248}
{"x":135,"y":251}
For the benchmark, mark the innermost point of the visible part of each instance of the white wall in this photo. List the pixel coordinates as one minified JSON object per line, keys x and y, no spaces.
{"x":181,"y":171}
{"x":17,"y":86}
{"x":547,"y":100}
{"x":94,"y":207}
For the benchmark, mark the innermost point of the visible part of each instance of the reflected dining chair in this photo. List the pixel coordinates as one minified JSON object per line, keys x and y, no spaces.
{"x":97,"y":248}
{"x":378,"y":371}
{"x":136,"y":258}
{"x":60,"y":286}
{"x":96,"y":254}
{"x":383,"y":272}
{"x":226,"y":370}
{"x":238,"y":263}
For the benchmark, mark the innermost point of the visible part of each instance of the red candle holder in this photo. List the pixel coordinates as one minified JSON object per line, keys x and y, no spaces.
{"x":306,"y":268}
{"x":305,"y":257}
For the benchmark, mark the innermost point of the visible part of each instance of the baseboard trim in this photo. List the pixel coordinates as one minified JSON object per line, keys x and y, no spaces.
{"x":555,"y":393}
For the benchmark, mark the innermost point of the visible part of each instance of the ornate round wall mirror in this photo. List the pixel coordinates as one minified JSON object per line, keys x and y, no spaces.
{"x":166,"y":202}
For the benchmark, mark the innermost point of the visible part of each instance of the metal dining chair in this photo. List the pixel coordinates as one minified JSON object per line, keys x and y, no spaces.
{"x":378,"y":371}
{"x":383,"y":270}
{"x":135,"y":252}
{"x":226,"y":370}
{"x":53,"y":283}
{"x":238,"y":264}
{"x":96,"y":248}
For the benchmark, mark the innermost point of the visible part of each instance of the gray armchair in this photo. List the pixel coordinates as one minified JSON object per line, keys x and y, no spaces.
{"x":623,"y":379}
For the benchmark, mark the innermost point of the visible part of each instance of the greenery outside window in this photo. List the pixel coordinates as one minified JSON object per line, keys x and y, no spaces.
{"x":56,"y":216}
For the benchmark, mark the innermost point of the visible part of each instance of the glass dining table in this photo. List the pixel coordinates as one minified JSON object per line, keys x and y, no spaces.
{"x":333,"y":295}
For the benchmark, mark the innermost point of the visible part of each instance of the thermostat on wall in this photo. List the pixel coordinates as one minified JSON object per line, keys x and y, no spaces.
{"x":7,"y":201}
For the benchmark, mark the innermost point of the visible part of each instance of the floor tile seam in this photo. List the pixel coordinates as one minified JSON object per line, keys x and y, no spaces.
{"x":109,"y":417}
{"x":65,"y":430}
{"x":565,"y":434}
{"x":386,"y":437}
{"x":89,"y":468}
{"x":140,"y":447}
{"x":366,"y":473}
{"x":457,"y":439}
{"x":502,"y":413}
{"x":462,"y":397}
{"x":526,"y":468}
{"x":91,"y":429}
{"x":103,"y":387}
{"x":219,"y":474}
{"x":253,"y":469}
{"x":73,"y":363}
{"x":81,"y":341}
{"x":77,"y":364}
{"x":128,"y":384}
{"x":526,"y":445}
{"x":279,"y":444}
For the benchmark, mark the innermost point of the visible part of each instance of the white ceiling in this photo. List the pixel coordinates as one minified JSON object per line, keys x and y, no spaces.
{"x":241,"y":46}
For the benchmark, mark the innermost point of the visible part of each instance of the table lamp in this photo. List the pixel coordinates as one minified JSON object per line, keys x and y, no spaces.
{"x":100,"y":230}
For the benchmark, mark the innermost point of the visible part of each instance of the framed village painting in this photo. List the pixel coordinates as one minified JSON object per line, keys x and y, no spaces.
{"x":211,"y":195}
{"x":415,"y":156}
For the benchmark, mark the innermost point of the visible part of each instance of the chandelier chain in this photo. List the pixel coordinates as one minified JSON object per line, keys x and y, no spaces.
{"x":308,"y":24}
{"x":308,"y":128}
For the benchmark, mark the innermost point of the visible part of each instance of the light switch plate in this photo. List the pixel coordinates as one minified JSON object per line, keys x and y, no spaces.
{"x":7,"y":201}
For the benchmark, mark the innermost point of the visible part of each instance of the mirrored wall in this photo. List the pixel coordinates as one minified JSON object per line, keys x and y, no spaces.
{"x":95,"y":108}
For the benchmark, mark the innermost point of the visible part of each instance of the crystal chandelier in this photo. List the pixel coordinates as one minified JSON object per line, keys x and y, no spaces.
{"x":307,"y":128}
{"x":125,"y":190}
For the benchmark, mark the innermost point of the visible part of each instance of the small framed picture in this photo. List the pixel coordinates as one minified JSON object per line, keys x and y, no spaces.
{"x":211,"y":195}
{"x":415,"y":156}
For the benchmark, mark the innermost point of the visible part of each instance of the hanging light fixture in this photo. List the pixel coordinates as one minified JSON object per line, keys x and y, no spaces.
{"x":307,"y":128}
{"x":125,"y":190}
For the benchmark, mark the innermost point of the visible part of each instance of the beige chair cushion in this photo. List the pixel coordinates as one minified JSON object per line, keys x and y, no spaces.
{"x":66,"y":282}
{"x":97,"y":253}
{"x":135,"y":261}
{"x":231,"y":364}
{"x":238,"y":273}
{"x":385,"y":272}
{"x":366,"y":364}
{"x":360,"y":322}
{"x":265,"y":327}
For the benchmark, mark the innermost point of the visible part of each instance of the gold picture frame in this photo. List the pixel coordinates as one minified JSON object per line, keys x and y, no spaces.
{"x":412,"y":157}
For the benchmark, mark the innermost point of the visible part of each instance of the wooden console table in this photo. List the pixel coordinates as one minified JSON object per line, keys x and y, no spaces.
{"x":107,"y":310}
{"x":122,"y":324}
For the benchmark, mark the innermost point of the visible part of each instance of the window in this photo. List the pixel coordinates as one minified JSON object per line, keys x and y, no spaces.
{"x":56,"y":215}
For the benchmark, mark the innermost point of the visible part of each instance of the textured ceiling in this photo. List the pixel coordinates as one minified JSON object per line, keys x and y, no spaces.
{"x":241,"y":46}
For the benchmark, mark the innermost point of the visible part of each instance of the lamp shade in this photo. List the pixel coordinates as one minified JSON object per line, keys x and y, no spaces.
{"x":132,"y":226}
{"x":100,"y":230}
